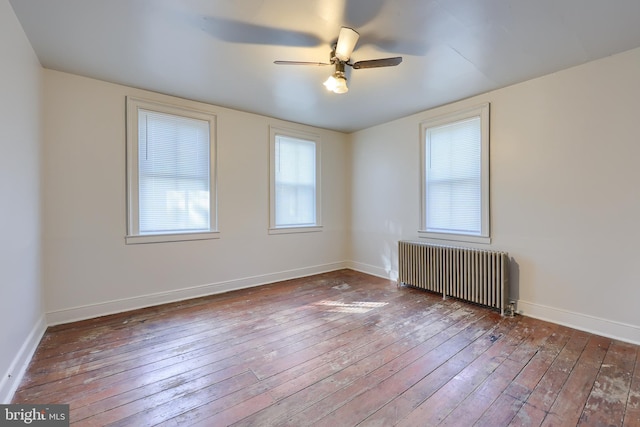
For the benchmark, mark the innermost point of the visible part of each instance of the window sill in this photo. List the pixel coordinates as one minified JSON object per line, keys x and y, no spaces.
{"x":164,"y":238}
{"x":458,"y":238}
{"x":289,"y":230}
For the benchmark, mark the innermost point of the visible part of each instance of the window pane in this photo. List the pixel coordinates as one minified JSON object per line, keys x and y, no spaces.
{"x":453,"y":177}
{"x":173,"y":169}
{"x":295,"y":181}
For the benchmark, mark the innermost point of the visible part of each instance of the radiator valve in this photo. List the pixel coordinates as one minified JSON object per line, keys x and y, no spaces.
{"x":511,"y":309}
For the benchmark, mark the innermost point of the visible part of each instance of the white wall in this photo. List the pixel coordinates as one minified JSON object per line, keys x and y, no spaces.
{"x":565,"y":198}
{"x":21,"y":309}
{"x":88,"y":268}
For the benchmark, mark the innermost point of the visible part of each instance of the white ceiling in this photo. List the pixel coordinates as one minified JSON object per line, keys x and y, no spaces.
{"x":222,"y":51}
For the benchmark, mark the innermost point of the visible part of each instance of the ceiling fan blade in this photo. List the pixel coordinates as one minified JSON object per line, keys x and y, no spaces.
{"x":375,"y":63}
{"x":347,"y":40}
{"x":300,"y":63}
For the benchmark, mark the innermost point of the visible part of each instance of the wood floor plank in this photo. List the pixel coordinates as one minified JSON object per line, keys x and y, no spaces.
{"x":226,"y":348}
{"x":402,"y":337}
{"x":632,"y":412}
{"x":399,"y":374}
{"x":114,"y":337}
{"x":405,"y":403}
{"x":377,"y":366}
{"x":185,"y":317}
{"x":307,"y":373}
{"x":335,"y":349}
{"x":322,"y":338}
{"x":153,"y":318}
{"x":571,"y":399}
{"x":155,"y":408}
{"x":438,"y":406}
{"x":176,"y":345}
{"x":503,"y":410}
{"x":473,"y":407}
{"x":539,"y":402}
{"x":299,"y":393}
{"x":608,"y":398}
{"x":143,"y":325}
{"x":259,"y":349}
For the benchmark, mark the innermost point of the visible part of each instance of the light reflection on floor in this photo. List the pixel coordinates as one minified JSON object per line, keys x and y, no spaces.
{"x":350,"y":307}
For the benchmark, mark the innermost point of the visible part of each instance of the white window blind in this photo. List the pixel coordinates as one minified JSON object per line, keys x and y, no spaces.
{"x":173,"y":173}
{"x":454,"y":188}
{"x":453,"y":178}
{"x":295,"y":182}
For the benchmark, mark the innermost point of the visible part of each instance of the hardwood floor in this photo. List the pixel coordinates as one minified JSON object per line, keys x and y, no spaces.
{"x":336,"y":349}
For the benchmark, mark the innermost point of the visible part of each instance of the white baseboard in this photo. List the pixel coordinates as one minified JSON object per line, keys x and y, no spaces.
{"x":11,"y":379}
{"x":373,"y":270}
{"x":117,"y":306}
{"x":583,"y":322}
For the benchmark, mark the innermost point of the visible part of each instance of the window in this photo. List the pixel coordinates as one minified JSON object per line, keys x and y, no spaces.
{"x":170,"y":173}
{"x":294,"y":181}
{"x":455,"y":176}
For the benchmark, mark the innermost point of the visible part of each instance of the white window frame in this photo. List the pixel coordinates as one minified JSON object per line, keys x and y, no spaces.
{"x":481,"y":111}
{"x":303,"y":135}
{"x":133,"y":235}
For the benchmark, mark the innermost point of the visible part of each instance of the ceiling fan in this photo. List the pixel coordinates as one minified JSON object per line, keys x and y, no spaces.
{"x":340,"y":56}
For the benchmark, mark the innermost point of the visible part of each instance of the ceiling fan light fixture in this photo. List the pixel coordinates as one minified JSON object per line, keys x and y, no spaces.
{"x":347,"y":40}
{"x":341,"y":85}
{"x":336,"y":83}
